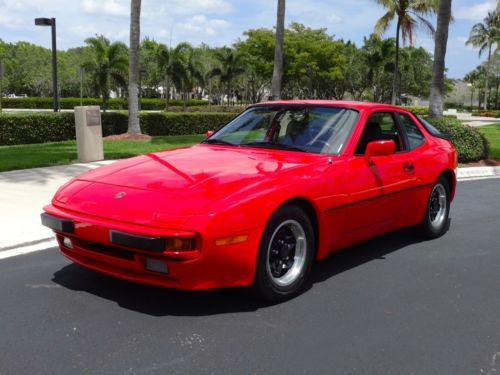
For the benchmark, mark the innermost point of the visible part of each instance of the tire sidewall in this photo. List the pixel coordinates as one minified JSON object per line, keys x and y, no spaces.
{"x":428,"y":228}
{"x":264,"y":284}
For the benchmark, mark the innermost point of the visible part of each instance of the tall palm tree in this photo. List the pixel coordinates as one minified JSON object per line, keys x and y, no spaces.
{"x":231,"y":65}
{"x":134,"y":126}
{"x":108,"y":65}
{"x":278,"y":51}
{"x":472,"y":79}
{"x":436,"y":99}
{"x":192,"y":73}
{"x":483,"y":35}
{"x":408,"y":15}
{"x":171,"y":62}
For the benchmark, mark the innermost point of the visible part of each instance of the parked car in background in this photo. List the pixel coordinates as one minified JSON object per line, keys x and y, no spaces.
{"x":282,"y":185}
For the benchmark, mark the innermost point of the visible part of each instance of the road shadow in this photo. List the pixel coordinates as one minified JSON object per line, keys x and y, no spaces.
{"x":157,"y":301}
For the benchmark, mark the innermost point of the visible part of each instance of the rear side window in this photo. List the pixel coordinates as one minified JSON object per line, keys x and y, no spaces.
{"x":413,"y":133}
{"x":430,"y":128}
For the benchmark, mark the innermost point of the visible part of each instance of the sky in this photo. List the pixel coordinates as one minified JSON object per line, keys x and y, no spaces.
{"x":222,"y":22}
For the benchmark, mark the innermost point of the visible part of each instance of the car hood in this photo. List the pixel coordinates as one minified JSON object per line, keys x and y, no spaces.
{"x":168,"y":185}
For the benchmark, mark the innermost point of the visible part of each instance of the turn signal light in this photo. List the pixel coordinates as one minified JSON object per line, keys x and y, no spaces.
{"x":231,"y":240}
{"x":180,"y":243}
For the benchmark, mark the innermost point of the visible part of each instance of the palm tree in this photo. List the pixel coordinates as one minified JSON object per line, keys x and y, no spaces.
{"x":108,"y":65}
{"x":436,"y":99}
{"x":408,"y":14}
{"x":377,"y":55}
{"x":231,"y":65}
{"x":192,"y":73}
{"x":472,"y":79}
{"x":134,"y":126}
{"x":171,"y":62}
{"x":278,"y":51}
{"x":483,"y":35}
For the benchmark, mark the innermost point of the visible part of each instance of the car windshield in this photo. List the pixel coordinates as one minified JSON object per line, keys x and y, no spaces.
{"x":308,"y":129}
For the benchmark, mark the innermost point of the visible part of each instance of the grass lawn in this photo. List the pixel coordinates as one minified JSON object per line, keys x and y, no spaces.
{"x":54,"y":153}
{"x":492,"y":133}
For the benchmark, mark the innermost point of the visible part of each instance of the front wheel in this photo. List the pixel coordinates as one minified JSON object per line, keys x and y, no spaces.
{"x":435,"y":222}
{"x":286,"y":253}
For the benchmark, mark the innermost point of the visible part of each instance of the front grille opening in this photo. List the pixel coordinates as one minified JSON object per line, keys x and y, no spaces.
{"x":107,"y":250}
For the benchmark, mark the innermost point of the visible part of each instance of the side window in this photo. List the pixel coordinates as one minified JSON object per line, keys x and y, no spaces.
{"x":380,"y":125}
{"x":413,"y":133}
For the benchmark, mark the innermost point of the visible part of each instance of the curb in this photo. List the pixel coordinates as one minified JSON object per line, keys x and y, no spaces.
{"x":477,"y":172}
{"x":26,"y":244}
{"x":463,"y":174}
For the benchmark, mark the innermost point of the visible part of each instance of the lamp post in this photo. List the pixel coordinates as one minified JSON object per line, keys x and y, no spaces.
{"x":52,"y":23}
{"x":1,"y":81}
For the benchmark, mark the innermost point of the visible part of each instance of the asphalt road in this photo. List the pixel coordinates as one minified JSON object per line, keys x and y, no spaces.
{"x":392,"y":305}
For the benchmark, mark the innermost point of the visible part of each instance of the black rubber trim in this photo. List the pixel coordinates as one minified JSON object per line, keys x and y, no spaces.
{"x":377,"y":197}
{"x":136,"y":241}
{"x":57,"y":223}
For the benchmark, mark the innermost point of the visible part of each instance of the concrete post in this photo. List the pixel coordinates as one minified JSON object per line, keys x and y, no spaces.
{"x":89,"y":133}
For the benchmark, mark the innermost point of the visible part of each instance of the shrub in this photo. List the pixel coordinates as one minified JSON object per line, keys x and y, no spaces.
{"x":471,"y":145}
{"x":39,"y":127}
{"x":115,"y":103}
{"x":418,"y":110}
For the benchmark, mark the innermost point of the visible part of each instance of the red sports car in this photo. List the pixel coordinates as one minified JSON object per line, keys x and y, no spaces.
{"x":281,"y":185}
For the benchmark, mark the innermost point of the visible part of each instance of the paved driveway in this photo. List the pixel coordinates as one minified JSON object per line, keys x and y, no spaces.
{"x":392,"y":305}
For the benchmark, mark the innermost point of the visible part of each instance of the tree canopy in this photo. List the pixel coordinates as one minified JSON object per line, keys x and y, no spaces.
{"x":316,"y":65}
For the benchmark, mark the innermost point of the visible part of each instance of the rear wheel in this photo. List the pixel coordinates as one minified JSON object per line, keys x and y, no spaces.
{"x":435,"y":222}
{"x":286,"y":253}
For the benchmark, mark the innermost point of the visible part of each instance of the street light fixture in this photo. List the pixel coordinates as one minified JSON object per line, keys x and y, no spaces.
{"x":52,"y":23}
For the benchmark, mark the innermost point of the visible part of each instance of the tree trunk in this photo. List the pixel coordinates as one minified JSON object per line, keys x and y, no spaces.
{"x":166,"y":88}
{"x":133,"y":102}
{"x":184,"y":97}
{"x":278,"y":51}
{"x":486,"y":88}
{"x":396,"y":65}
{"x":436,"y":99}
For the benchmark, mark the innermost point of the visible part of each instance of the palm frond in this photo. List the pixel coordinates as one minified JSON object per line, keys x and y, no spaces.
{"x":383,"y":23}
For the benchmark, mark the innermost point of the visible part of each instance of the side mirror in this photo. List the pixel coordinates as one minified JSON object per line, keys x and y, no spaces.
{"x":380,"y":148}
{"x":210,"y":133}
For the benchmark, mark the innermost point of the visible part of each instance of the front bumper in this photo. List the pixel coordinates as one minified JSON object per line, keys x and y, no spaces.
{"x":123,"y":250}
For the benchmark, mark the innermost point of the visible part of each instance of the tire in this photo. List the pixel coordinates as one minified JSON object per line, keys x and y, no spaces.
{"x":286,"y":253}
{"x":435,"y":222}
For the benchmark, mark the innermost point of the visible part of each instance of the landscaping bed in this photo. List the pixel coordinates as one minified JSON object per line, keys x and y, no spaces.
{"x":56,"y":153}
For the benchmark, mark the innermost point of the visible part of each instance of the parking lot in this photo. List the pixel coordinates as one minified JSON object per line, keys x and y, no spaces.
{"x":391,"y":305}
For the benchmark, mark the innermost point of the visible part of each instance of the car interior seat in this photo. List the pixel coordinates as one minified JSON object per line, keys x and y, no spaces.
{"x":371,"y":132}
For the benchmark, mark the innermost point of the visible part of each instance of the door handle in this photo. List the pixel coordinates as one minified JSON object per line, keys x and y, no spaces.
{"x":409,"y":167}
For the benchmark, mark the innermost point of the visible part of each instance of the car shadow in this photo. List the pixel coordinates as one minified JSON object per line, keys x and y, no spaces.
{"x":157,"y":301}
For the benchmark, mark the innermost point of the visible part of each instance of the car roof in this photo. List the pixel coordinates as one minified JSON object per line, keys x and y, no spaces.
{"x":333,"y":103}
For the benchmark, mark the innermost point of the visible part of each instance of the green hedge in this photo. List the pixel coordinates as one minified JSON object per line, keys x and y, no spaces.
{"x":471,"y":145}
{"x":24,"y":128}
{"x":117,"y":104}
{"x":418,"y":110}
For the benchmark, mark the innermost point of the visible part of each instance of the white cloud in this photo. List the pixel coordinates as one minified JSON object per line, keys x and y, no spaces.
{"x":189,"y":7}
{"x":108,"y":7}
{"x":10,"y":22}
{"x":474,"y":13}
{"x":201,"y":26}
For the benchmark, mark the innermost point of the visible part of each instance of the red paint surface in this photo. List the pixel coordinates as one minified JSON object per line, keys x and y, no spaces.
{"x":217,"y":191}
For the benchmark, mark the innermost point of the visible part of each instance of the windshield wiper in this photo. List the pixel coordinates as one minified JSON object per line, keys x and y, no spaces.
{"x":218,"y":142}
{"x":278,"y":146}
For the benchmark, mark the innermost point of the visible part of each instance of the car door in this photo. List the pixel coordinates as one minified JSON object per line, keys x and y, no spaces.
{"x":379,"y":187}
